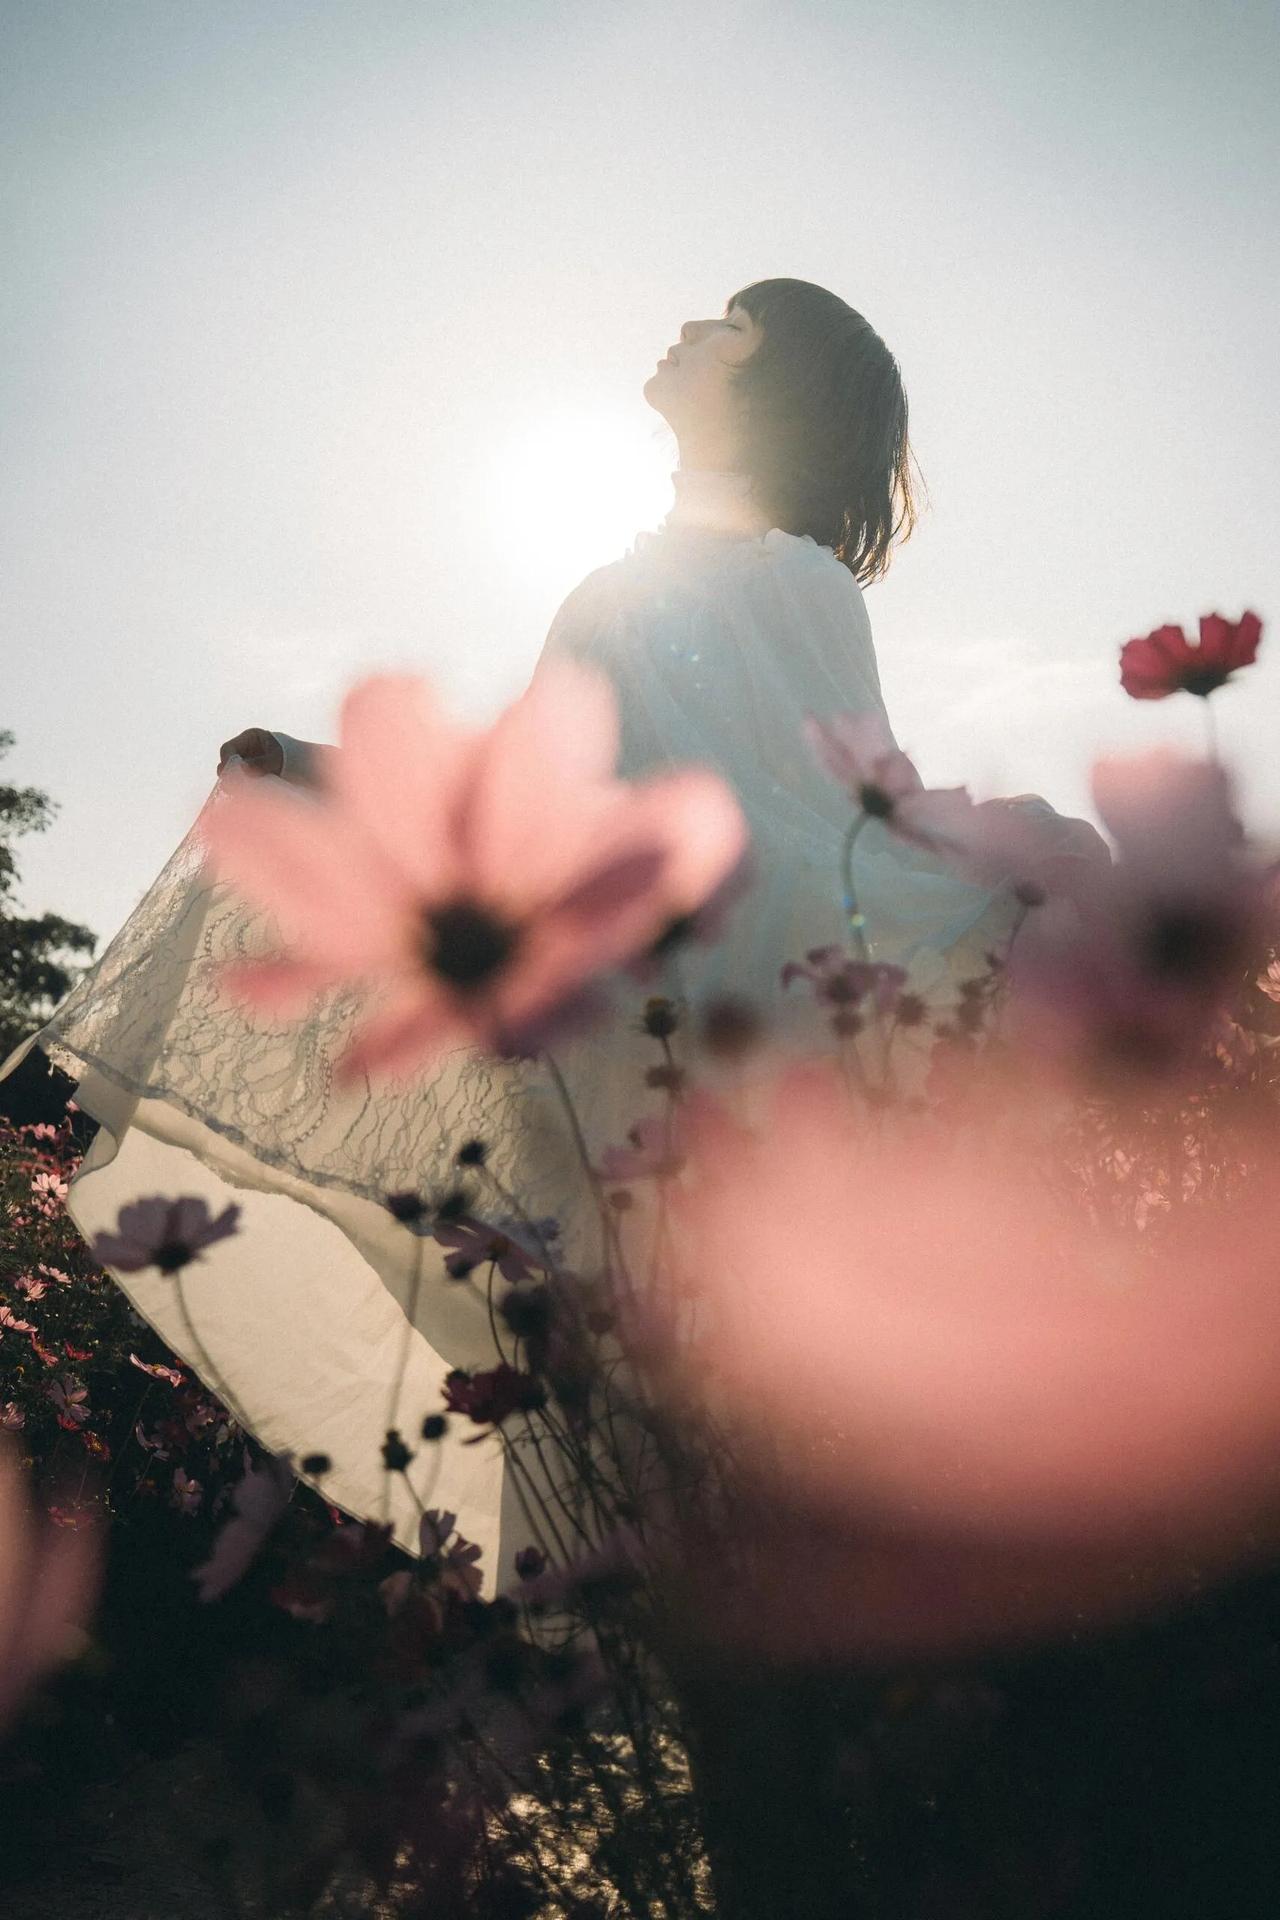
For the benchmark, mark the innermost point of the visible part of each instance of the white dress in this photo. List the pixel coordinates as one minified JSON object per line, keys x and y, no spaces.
{"x":718,"y":633}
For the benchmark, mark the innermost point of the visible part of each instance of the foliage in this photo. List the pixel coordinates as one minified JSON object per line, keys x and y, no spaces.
{"x":36,"y":970}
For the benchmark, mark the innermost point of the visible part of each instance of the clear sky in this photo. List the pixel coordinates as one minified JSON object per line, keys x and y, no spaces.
{"x":325,"y":325}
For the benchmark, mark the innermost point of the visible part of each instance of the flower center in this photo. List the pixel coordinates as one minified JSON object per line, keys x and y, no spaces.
{"x":171,"y":1256}
{"x":1186,"y":943}
{"x":1203,"y":680}
{"x":466,"y":945}
{"x":875,"y":801}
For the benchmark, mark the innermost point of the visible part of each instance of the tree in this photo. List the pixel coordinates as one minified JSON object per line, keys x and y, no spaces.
{"x":37,"y":966}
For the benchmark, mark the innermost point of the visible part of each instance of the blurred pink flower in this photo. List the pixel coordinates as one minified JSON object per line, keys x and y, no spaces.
{"x":986,"y":1414}
{"x":71,"y":1398}
{"x":861,"y":755}
{"x":1135,"y":969}
{"x":33,"y":1289}
{"x":49,"y":1579}
{"x":1166,"y":661}
{"x":9,"y":1319}
{"x":478,"y":880}
{"x":12,"y":1418}
{"x":257,"y":1502}
{"x":168,"y":1234}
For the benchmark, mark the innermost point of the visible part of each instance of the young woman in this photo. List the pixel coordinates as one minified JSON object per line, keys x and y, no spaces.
{"x":719,"y":632}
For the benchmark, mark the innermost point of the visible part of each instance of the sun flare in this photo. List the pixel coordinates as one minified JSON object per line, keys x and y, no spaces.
{"x":571,"y":491}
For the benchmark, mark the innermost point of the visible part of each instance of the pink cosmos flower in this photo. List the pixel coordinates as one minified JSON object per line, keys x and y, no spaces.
{"x":47,"y":1187}
{"x":71,"y":1398}
{"x":971,"y":1413}
{"x":168,"y":1234}
{"x":54,"y":1273}
{"x":9,"y":1319}
{"x":475,"y":1244}
{"x":49,"y":1579}
{"x":12,"y":1418}
{"x":156,"y":1371}
{"x":1136,"y":970}
{"x":477,"y":881}
{"x":34,"y":1289}
{"x":651,"y":1152}
{"x":861,"y":755}
{"x":1166,"y":661}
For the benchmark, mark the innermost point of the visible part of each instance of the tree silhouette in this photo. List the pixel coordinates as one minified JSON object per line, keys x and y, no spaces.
{"x":37,"y":966}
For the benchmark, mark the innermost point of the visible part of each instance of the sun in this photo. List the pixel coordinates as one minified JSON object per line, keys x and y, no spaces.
{"x":570,"y":491}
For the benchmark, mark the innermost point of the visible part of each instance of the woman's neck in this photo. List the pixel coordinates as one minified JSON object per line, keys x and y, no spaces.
{"x":716,"y":501}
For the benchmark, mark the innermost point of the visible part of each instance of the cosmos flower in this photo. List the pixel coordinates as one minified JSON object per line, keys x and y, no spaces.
{"x":970,"y":1411}
{"x":157,"y":1371}
{"x":1135,"y":971}
{"x":477,"y":882}
{"x":492,"y":1396}
{"x":472,"y":1244}
{"x":49,"y":1579}
{"x":71,"y":1398}
{"x":168,"y":1234}
{"x":860,"y":754}
{"x":1166,"y":661}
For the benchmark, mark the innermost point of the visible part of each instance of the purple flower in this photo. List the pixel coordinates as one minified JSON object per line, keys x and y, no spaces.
{"x":167,"y":1234}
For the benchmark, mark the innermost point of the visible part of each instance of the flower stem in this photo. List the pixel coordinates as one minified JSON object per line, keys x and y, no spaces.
{"x":853,"y":912}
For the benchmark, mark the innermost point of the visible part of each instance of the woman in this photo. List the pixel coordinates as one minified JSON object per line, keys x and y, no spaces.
{"x":719,"y":632}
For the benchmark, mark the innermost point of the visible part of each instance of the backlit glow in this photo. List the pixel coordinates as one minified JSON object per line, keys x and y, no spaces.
{"x":570,"y":491}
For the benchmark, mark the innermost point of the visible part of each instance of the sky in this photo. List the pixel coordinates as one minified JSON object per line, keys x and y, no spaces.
{"x":325,"y":327}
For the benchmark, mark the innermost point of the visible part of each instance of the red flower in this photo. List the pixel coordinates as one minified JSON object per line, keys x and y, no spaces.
{"x":1166,"y":662}
{"x":490,"y":1398}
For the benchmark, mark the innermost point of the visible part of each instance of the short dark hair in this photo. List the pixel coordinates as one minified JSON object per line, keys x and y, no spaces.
{"x":825,"y":424}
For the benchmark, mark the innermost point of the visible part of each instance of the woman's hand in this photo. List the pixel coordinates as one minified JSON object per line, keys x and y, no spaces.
{"x":260,"y":751}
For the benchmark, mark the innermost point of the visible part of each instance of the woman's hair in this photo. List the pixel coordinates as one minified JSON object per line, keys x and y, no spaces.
{"x":825,"y":424}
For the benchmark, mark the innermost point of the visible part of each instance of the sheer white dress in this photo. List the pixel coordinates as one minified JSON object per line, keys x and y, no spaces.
{"x":718,"y":633}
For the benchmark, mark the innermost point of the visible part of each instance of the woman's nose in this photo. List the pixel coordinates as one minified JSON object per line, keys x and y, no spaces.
{"x":687,"y":332}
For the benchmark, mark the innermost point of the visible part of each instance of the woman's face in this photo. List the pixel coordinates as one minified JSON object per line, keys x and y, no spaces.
{"x":692,"y":387}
